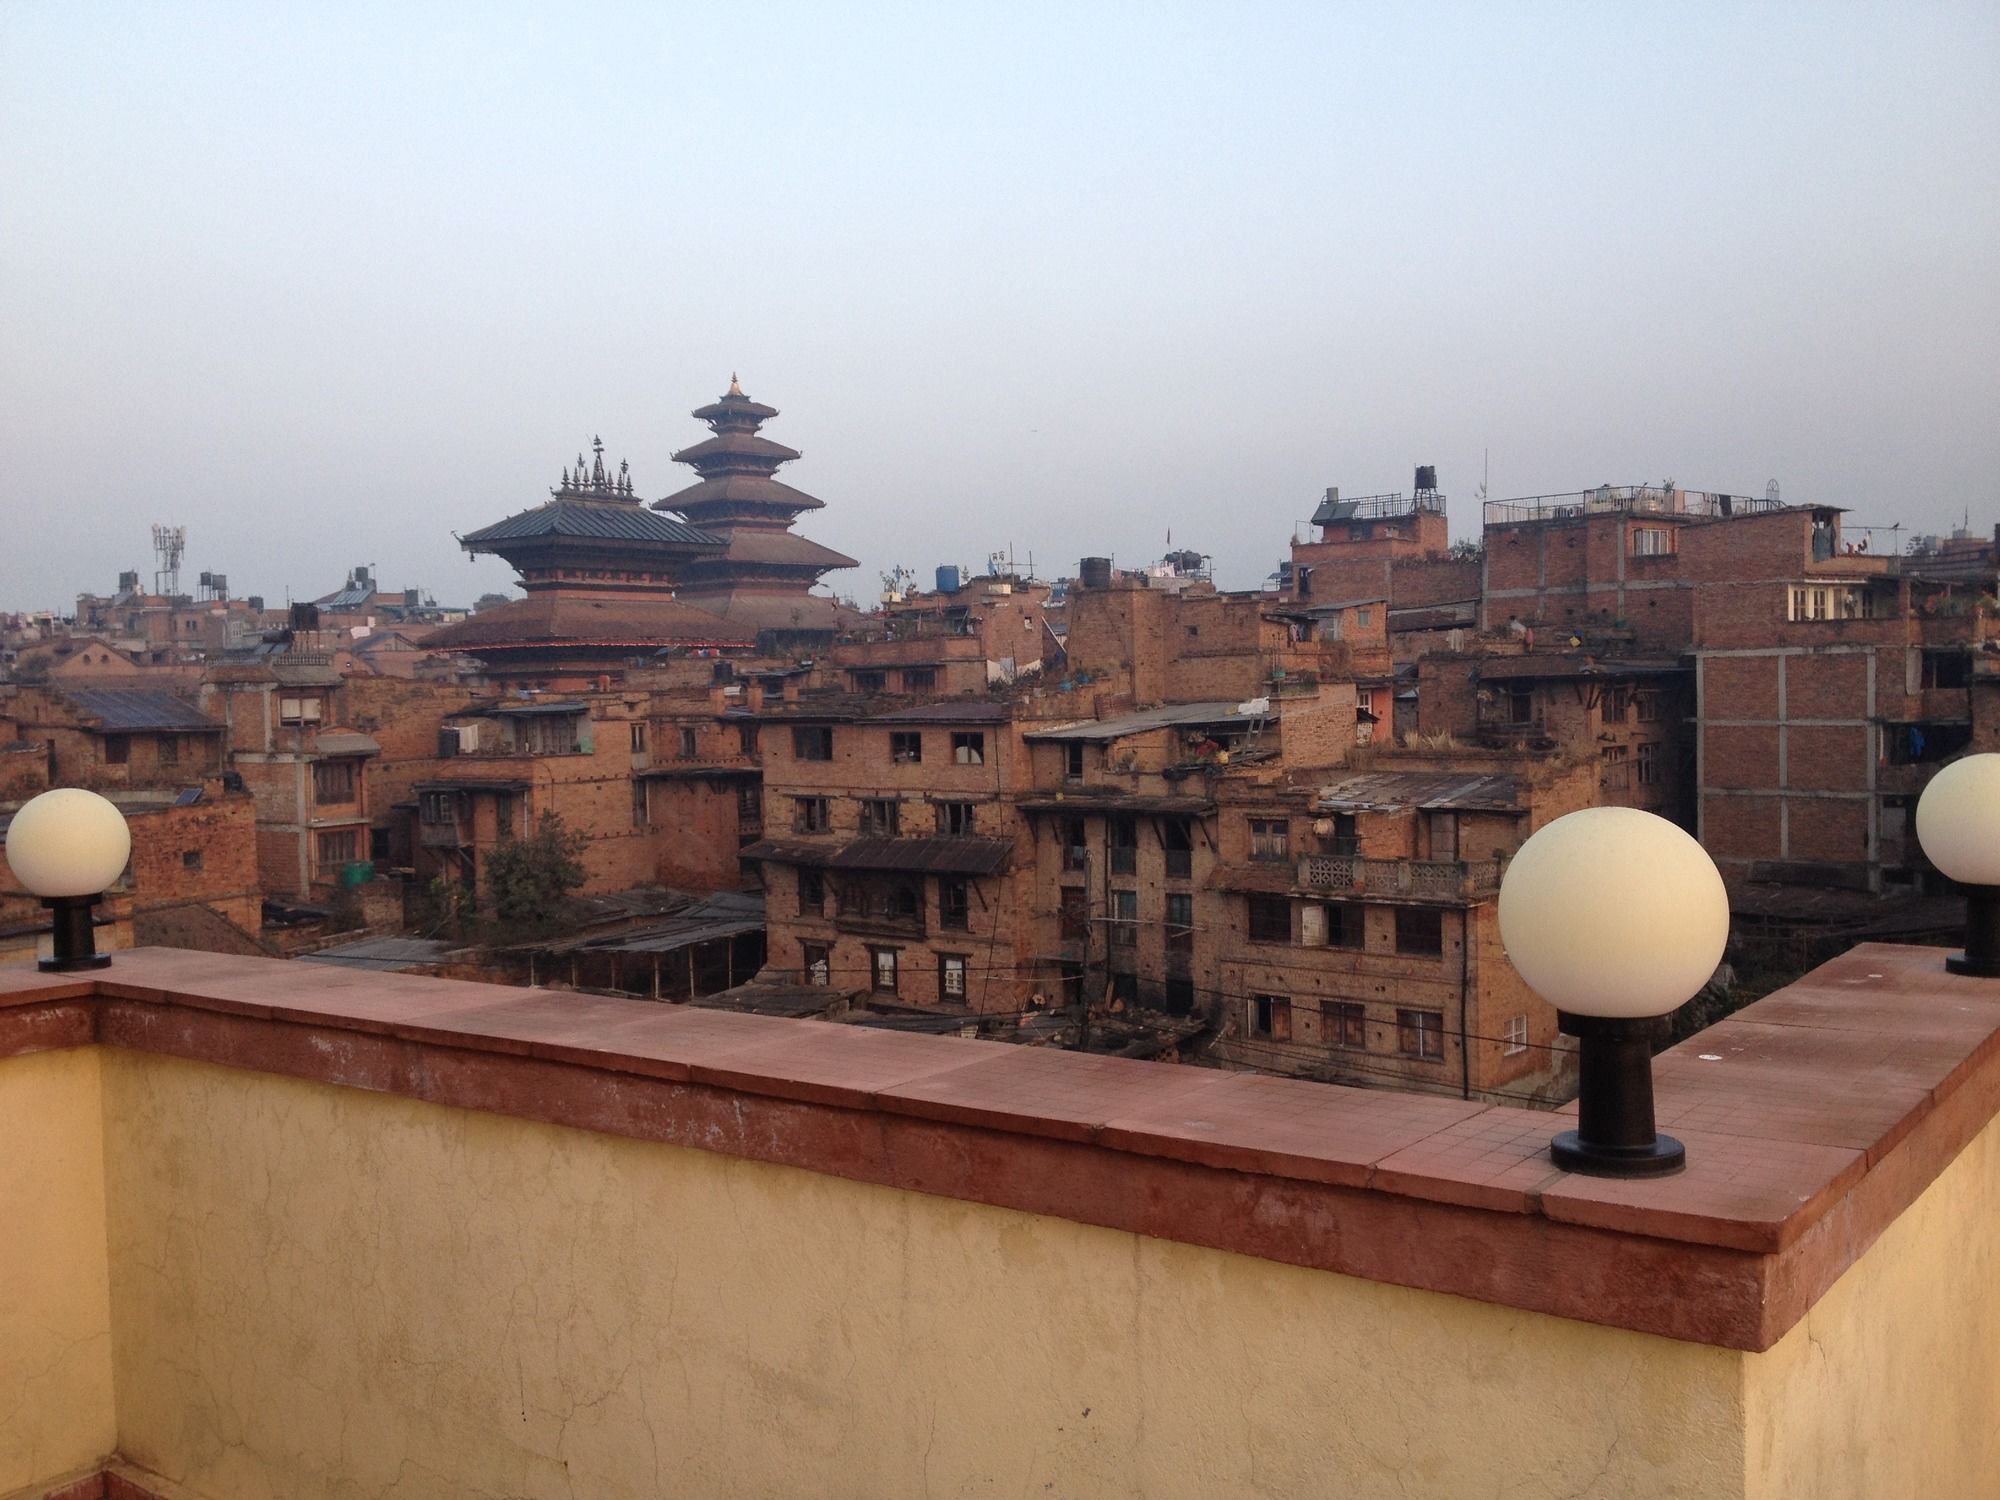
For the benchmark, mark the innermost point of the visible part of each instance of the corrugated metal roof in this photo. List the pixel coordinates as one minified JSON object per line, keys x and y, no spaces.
{"x":1392,"y":791}
{"x":609,"y":522}
{"x":1110,"y":799}
{"x":966,"y":711}
{"x":938,"y":856}
{"x":1167,"y":717}
{"x":386,"y":953}
{"x":119,"y":710}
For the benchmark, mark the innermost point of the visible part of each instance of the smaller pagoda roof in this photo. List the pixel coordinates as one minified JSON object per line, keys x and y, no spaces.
{"x":757,"y":489}
{"x":757,"y":544}
{"x":567,"y":620}
{"x":598,"y":521}
{"x":736,"y":445}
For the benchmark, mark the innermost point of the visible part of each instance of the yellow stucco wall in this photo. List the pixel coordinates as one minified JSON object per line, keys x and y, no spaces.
{"x":323,"y":1292}
{"x":1891,"y":1384}
{"x":56,"y":1410}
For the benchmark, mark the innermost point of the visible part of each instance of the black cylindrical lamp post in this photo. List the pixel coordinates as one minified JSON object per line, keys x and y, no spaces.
{"x":1615,"y":917}
{"x":68,"y":847}
{"x":1958,"y":823}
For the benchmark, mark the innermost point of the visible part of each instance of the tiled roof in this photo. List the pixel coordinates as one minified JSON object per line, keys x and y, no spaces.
{"x":1388,"y":791}
{"x":1166,"y":717}
{"x":759,"y":488}
{"x":602,"y":522}
{"x":730,"y":444}
{"x":121,"y":710}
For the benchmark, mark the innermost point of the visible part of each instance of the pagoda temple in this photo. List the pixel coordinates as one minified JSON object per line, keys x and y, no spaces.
{"x":600,"y":571}
{"x":761,"y":579}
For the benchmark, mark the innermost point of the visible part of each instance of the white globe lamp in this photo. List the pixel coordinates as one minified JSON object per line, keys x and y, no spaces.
{"x":1617,"y":918}
{"x":68,"y":847}
{"x":1958,"y":823}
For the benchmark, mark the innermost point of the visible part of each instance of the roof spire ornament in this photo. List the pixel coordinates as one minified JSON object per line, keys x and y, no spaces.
{"x":735,"y":389}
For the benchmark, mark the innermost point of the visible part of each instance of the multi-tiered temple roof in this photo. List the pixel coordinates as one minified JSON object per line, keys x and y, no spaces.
{"x":600,"y":571}
{"x":762,"y":578}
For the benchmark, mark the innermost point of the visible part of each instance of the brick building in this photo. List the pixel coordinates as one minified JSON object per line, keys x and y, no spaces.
{"x":960,"y":639}
{"x":106,"y":738}
{"x":894,"y":861}
{"x":1354,"y":929}
{"x":290,"y":740}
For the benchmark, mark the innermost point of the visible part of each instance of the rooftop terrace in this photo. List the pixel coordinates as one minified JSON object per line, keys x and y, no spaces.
{"x":293,"y":1230}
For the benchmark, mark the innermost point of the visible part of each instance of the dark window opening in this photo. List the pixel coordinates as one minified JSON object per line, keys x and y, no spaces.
{"x":881,"y":817}
{"x":1177,"y":837}
{"x":1346,"y":925}
{"x":812,"y":742}
{"x":954,"y":905}
{"x":955,"y":819}
{"x":1270,"y":840}
{"x":1124,"y":844}
{"x":1420,"y":1033}
{"x":1270,"y":919}
{"x":968,"y":747}
{"x":1076,"y":849}
{"x":906,"y":747}
{"x":812,"y":893}
{"x":1419,"y":929}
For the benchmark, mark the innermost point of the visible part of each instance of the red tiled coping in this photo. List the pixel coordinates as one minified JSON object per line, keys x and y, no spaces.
{"x":1812,"y":1119}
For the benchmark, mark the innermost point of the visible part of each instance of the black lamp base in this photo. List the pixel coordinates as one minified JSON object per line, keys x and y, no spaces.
{"x":1660,"y":1157}
{"x":75,"y":937}
{"x":1982,"y":934}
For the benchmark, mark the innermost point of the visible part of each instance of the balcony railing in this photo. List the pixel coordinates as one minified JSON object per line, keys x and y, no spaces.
{"x":1418,"y":879}
{"x":1635,"y":499}
{"x":442,"y":836}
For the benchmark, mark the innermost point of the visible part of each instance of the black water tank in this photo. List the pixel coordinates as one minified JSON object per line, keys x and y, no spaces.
{"x":1095,"y":573}
{"x":1427,"y":477}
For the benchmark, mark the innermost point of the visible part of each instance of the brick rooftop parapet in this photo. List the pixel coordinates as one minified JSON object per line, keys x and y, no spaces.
{"x":1812,"y":1119}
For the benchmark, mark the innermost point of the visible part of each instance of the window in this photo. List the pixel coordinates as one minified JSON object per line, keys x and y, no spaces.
{"x":638,"y":736}
{"x":1798,"y":609}
{"x":809,"y":815}
{"x":549,"y":734}
{"x":882,"y":970}
{"x":1073,"y":760}
{"x":812,"y":742}
{"x":1649,"y":708}
{"x":117,"y":749}
{"x":1073,"y":916}
{"x":746,"y":738}
{"x":1364,"y":700}
{"x":1124,"y":919}
{"x":1649,"y":541}
{"x":298,"y":710}
{"x":1444,"y":835}
{"x":1517,"y":1035}
{"x":503,"y":814}
{"x":955,"y":819}
{"x":1346,"y":925}
{"x":190,"y":859}
{"x":336,"y":848}
{"x":1419,"y":929}
{"x":870,"y":682}
{"x":1180,"y":995}
{"x":1270,"y":839}
{"x":906,"y":747}
{"x":954,"y":907}
{"x":1270,"y":919}
{"x":1420,"y":1033}
{"x":881,"y":817}
{"x":1344,"y":1023}
{"x":1180,"y":922}
{"x":919,"y":679}
{"x":333,"y":781}
{"x":951,"y":976}
{"x":1124,"y":844}
{"x":1193,"y":630}
{"x":642,"y":808}
{"x":1649,"y":764}
{"x":1076,"y":848}
{"x":1125,"y":988}
{"x":1364,"y":616}
{"x":690,"y":743}
{"x":1520,"y":706}
{"x":1616,"y":774}
{"x":1177,"y":839}
{"x":750,"y":806}
{"x":1346,"y":835}
{"x":968,"y":747}
{"x":812,"y":892}
{"x":1946,"y":669}
{"x":1270,"y":1016}
{"x":817,"y":962}
{"x":437,"y":808}
{"x":170,"y":749}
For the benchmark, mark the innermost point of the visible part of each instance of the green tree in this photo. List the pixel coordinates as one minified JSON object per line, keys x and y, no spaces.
{"x":529,"y":880}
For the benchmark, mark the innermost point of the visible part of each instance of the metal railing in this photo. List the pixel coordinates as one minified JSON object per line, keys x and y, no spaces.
{"x":1635,"y":499}
{"x":1427,"y":879}
{"x":1379,"y":507}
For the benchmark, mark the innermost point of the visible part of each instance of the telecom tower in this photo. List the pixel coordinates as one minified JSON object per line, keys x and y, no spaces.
{"x":169,"y":542}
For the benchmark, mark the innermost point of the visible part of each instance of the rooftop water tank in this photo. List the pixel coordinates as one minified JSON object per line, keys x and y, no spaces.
{"x":947,"y":579}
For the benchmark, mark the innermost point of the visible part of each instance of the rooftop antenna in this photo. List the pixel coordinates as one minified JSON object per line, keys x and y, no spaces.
{"x":169,"y":542}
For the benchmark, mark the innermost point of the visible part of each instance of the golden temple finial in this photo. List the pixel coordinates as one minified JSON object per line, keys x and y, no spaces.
{"x":734,"y":388}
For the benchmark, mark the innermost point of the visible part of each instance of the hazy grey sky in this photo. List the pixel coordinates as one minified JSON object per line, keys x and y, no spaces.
{"x":325,"y":283}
